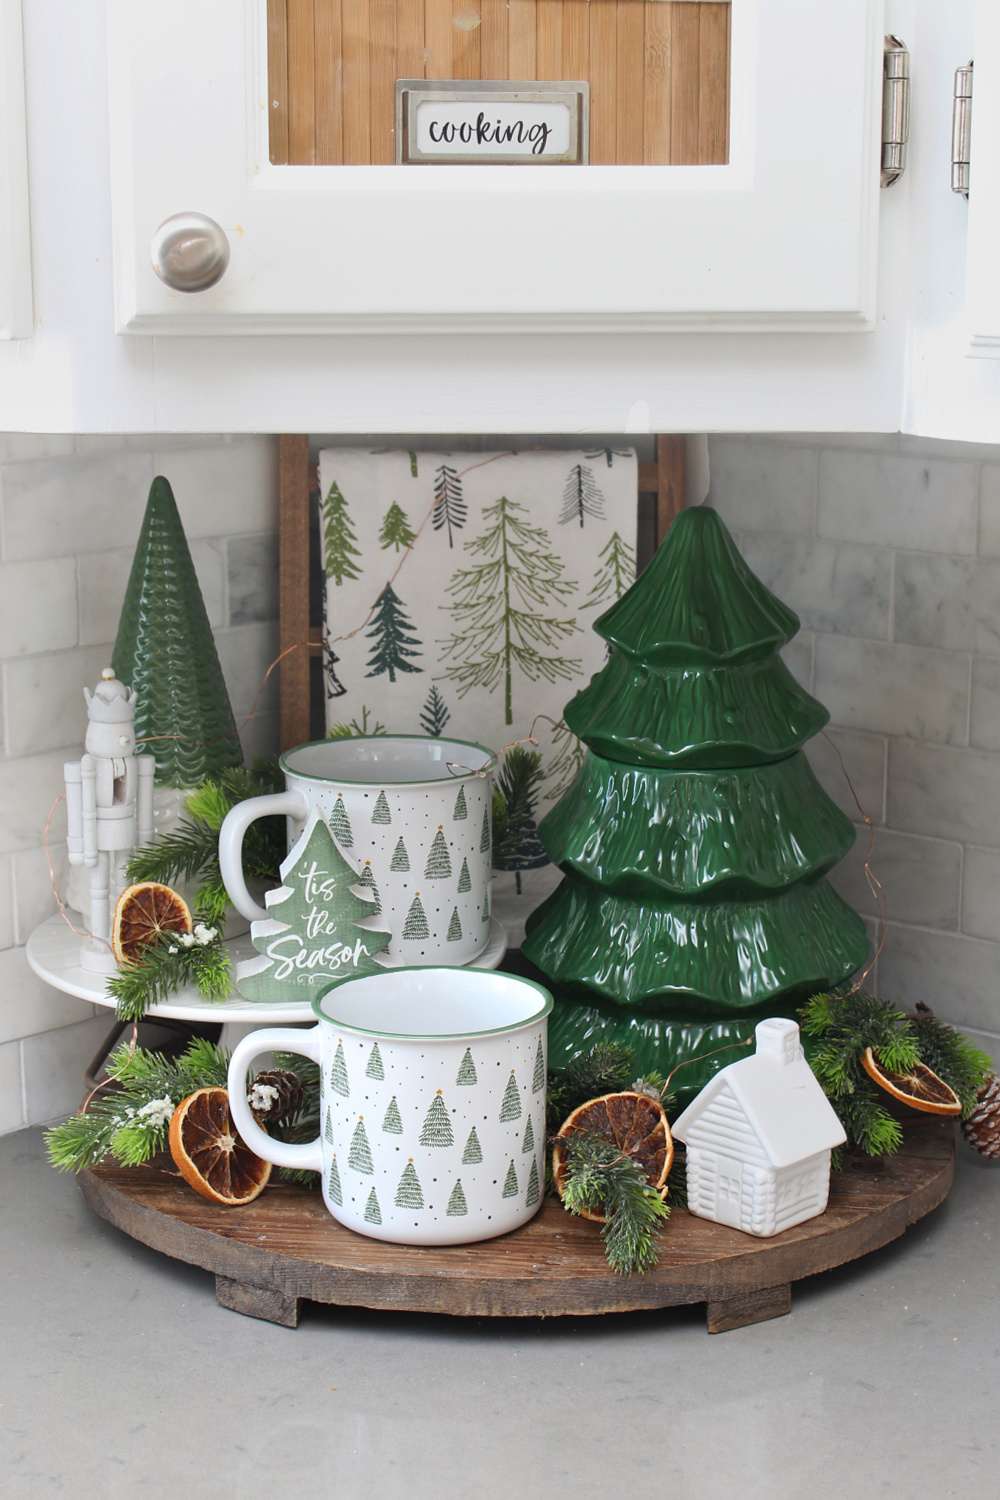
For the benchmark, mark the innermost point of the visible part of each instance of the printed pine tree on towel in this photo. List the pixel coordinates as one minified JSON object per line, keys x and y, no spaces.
{"x":609,"y":454}
{"x":392,"y":644}
{"x":334,"y":687}
{"x":409,"y":1193}
{"x":438,"y":865}
{"x":338,"y":538}
{"x":615,"y":573}
{"x":322,"y":925}
{"x":395,"y":531}
{"x":435,"y":714}
{"x":437,"y":1126}
{"x":581,"y":497}
{"x":449,"y":507}
{"x":516,"y":845}
{"x":498,"y":608}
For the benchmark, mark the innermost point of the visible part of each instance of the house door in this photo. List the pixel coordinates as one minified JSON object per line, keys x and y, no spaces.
{"x":729,"y":1192}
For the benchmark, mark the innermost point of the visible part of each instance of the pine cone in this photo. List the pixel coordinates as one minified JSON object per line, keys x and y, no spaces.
{"x":275,"y":1094}
{"x":982,"y":1128}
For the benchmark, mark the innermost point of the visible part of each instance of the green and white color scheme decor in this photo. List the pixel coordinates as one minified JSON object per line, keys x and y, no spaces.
{"x":488,"y":621}
{"x":323,"y":924}
{"x":411,"y":815}
{"x":432,"y":1102}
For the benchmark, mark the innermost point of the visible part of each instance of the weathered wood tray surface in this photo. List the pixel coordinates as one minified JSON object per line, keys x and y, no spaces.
{"x":285,"y":1247}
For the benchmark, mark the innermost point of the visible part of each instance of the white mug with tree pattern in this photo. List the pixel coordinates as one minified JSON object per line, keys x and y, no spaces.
{"x":412,"y":814}
{"x":432,"y":1103}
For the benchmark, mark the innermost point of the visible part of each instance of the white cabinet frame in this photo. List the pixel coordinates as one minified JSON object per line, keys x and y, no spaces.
{"x":982,"y":294}
{"x":782,"y":238}
{"x":16,"y":319}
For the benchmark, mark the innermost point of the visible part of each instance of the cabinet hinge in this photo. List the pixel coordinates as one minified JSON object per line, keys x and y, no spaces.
{"x":961,"y":131}
{"x":895,"y":109}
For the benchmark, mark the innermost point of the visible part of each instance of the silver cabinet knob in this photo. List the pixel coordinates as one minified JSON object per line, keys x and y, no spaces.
{"x":189,"y":252}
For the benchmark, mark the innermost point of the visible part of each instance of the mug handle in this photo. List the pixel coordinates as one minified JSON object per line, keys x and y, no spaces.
{"x":234,"y":826}
{"x":302,"y":1156}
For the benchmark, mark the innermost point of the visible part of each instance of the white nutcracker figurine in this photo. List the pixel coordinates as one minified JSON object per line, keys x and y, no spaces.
{"x":109,"y":808}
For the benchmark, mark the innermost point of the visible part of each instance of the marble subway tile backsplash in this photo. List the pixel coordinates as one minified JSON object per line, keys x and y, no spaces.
{"x":898,"y":587}
{"x":71,"y":510}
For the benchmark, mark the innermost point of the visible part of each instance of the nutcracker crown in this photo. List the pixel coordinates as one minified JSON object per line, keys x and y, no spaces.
{"x":111,"y":702}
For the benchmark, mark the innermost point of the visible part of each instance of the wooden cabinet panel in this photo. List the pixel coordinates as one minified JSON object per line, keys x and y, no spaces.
{"x":658,"y":71}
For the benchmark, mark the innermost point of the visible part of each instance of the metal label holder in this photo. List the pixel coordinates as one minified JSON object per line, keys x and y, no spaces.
{"x":411,"y":93}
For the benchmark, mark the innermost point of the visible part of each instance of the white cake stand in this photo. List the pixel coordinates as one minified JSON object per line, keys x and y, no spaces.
{"x":53,"y":953}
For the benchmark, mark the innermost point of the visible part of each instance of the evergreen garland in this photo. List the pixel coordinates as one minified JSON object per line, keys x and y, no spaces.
{"x":600,"y":1178}
{"x":951,"y":1056}
{"x":604,"y":1069}
{"x":166,"y":966}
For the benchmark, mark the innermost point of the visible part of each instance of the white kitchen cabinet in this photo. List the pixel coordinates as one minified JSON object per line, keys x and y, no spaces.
{"x":782,"y":238}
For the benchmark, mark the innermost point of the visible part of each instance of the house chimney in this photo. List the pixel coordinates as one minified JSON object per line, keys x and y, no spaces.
{"x":779,"y":1039}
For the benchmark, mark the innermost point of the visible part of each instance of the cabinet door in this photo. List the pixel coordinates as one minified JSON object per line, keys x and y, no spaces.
{"x":781,"y":236}
{"x":983,"y":282}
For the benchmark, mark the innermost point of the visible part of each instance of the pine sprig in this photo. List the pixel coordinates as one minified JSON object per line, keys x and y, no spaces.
{"x":952,"y":1056}
{"x":166,"y":966}
{"x":131,"y":1122}
{"x":601,"y":1179}
{"x":604,"y":1069}
{"x":845,"y":1025}
{"x":514,"y":799}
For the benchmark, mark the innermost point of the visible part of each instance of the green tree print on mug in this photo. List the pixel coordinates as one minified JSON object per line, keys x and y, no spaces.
{"x":392,"y":650}
{"x":510,"y":1109}
{"x":510,"y":1186}
{"x":409,"y":1193}
{"x":333,"y":1185}
{"x":338,"y":1073}
{"x":375,"y":1068}
{"x":538,"y":1077}
{"x":373,"y":1214}
{"x":454,"y":927}
{"x":473,"y":1152}
{"x":464,"y":878}
{"x":359,"y":1156}
{"x":367,"y":879}
{"x":528,"y":1144}
{"x":392,"y":1124}
{"x":461,"y":808}
{"x":415,"y":926}
{"x":400,"y":863}
{"x":395,"y":530}
{"x":532,"y":1194}
{"x":380,"y":812}
{"x":498,"y":604}
{"x":467,"y":1070}
{"x":328,"y":1128}
{"x":438,"y":865}
{"x":338,"y":538}
{"x":457,"y":1206}
{"x":437,"y":1126}
{"x":340,"y":824}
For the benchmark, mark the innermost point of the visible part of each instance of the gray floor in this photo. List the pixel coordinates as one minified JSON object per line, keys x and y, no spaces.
{"x":121,"y":1377}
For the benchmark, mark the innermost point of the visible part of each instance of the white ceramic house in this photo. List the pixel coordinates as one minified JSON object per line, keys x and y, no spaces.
{"x":759,"y":1137}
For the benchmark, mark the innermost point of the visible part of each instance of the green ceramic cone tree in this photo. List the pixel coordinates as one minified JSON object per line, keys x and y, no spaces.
{"x":695,"y":839}
{"x":165,"y":650}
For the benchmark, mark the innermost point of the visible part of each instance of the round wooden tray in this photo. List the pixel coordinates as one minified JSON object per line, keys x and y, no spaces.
{"x":285,"y":1247}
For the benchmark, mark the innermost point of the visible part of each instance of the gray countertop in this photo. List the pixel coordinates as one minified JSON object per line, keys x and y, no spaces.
{"x":122,"y":1377}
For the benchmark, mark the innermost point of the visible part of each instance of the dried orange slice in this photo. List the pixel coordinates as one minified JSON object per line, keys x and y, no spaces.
{"x":142,"y":912}
{"x":210,"y":1155}
{"x":919,"y":1086}
{"x":635,"y":1123}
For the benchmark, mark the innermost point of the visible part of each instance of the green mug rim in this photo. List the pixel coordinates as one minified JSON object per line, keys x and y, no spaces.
{"x":435,"y":1036}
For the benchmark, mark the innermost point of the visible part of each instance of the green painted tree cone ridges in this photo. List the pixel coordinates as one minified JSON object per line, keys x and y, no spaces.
{"x":694,"y":839}
{"x":692,"y":959}
{"x":165,"y":651}
{"x":736,"y":835}
{"x":694,"y":717}
{"x":709,"y":606}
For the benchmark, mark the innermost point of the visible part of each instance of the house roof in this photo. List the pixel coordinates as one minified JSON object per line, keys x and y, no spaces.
{"x":783,"y":1102}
